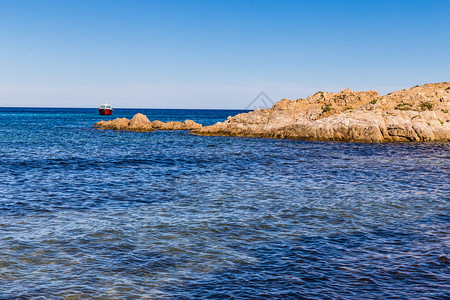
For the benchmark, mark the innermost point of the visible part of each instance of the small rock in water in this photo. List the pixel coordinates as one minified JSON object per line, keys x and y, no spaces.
{"x":140,"y":123}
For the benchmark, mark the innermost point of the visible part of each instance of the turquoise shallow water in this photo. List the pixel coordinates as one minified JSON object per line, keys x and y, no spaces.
{"x":167,"y":215}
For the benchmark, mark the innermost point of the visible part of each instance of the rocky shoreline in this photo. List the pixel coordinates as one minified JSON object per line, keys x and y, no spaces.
{"x":140,"y":123}
{"x":420,"y":113}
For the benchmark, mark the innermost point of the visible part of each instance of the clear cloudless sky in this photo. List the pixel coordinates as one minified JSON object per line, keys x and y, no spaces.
{"x":214,"y":54}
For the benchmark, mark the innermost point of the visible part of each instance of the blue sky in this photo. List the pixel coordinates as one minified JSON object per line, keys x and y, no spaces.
{"x":214,"y":54}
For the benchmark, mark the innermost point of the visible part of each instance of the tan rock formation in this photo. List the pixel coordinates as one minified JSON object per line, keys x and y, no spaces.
{"x":140,"y":123}
{"x":420,"y":113}
{"x":175,"y":125}
{"x":117,"y":124}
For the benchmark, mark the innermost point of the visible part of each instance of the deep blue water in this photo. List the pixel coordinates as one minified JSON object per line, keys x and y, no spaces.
{"x":86,"y":213}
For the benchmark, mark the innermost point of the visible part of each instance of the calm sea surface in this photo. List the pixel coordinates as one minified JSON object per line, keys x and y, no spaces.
{"x":97,"y":214}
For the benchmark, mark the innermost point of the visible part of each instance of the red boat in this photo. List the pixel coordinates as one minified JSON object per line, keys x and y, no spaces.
{"x":105,"y":109}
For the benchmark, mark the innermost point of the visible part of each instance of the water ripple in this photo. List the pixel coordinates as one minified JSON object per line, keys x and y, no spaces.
{"x":168,"y":215}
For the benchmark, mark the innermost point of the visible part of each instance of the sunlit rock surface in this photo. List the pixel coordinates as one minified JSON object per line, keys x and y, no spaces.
{"x":140,"y":123}
{"x":420,"y":113}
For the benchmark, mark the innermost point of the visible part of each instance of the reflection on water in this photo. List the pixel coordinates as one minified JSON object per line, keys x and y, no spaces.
{"x":101,"y":214}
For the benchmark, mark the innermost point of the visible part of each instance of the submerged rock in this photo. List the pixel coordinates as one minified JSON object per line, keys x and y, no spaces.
{"x":420,"y":113}
{"x":140,"y":123}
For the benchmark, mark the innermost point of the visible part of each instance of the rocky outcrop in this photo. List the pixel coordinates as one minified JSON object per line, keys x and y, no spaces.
{"x":174,"y":125}
{"x":420,"y":113}
{"x":140,"y":123}
{"x":117,"y":124}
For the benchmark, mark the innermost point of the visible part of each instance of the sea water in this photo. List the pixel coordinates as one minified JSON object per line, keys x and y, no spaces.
{"x":87,"y":213}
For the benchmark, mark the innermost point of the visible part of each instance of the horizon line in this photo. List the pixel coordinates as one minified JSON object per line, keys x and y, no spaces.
{"x":123,"y":108}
